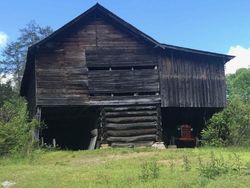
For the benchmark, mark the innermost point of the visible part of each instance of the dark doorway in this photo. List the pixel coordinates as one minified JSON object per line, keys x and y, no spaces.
{"x":173,"y":117}
{"x":69,"y":126}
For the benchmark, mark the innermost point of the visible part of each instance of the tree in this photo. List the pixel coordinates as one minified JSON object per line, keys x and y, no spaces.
{"x":240,"y":84}
{"x":14,"y":54}
{"x":16,"y":130}
{"x":6,"y":92}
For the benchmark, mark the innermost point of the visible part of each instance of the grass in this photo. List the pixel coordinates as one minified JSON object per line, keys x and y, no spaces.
{"x":138,"y":167}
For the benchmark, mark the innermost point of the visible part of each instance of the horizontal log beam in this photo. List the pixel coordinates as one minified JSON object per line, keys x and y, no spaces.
{"x":130,"y":113}
{"x":133,"y":132}
{"x":132,"y":119}
{"x":151,"y":137}
{"x":128,"y":108}
{"x":124,"y":126}
{"x":132,"y":144}
{"x":123,"y":100}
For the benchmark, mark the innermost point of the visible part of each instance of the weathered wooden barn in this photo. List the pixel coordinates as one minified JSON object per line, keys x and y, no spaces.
{"x":99,"y":80}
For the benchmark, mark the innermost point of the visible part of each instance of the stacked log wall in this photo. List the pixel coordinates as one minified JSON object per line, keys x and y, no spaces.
{"x":131,"y":125}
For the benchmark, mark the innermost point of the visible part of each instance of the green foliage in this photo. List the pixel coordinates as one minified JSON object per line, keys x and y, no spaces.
{"x":229,"y":127}
{"x":14,"y":54}
{"x":16,"y":131}
{"x":6,"y":92}
{"x":218,"y":166}
{"x":232,"y":125}
{"x":217,"y":131}
{"x":149,"y":170}
{"x":186,"y":163}
{"x":239,"y":84}
{"x":215,"y":167}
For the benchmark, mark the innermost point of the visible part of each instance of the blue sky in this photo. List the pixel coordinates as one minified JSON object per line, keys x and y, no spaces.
{"x":221,"y":26}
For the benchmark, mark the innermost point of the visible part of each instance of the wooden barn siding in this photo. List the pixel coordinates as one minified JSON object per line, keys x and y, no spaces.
{"x":121,"y":57}
{"x":132,"y":72}
{"x":188,"y":81}
{"x":61,"y":71}
{"x":123,"y":81}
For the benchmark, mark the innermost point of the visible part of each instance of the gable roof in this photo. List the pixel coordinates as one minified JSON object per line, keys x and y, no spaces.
{"x":97,"y":8}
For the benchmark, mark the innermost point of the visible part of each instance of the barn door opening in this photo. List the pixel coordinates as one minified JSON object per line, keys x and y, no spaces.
{"x":182,"y":126}
{"x":71,"y":128}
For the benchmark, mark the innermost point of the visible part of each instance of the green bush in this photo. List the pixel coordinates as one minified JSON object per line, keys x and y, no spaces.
{"x":16,"y":131}
{"x":229,"y":127}
{"x":217,"y":131}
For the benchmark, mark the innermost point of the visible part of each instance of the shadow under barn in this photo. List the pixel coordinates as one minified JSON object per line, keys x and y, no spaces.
{"x":70,"y":127}
{"x":174,"y":117}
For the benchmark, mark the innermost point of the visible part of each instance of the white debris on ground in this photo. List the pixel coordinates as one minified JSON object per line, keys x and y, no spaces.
{"x":159,"y":145}
{"x":7,"y":184}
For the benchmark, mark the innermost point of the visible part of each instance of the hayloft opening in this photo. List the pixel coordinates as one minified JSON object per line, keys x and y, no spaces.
{"x":69,"y":127}
{"x":173,"y":118}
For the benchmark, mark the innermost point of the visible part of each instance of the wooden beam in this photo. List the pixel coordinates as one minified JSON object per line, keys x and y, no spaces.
{"x":38,"y":118}
{"x":126,"y":126}
{"x":150,"y":137}
{"x":132,"y":144}
{"x":132,"y":132}
{"x":132,"y":119}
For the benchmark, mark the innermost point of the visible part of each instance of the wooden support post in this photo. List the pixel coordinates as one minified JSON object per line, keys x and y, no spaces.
{"x":172,"y":141}
{"x":94,"y":135}
{"x":54,"y":143}
{"x":159,"y":124}
{"x":102,"y":129}
{"x":42,"y":141}
{"x":38,"y":118}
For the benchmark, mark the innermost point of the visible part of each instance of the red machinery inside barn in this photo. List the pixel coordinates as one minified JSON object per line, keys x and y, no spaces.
{"x":185,"y":136}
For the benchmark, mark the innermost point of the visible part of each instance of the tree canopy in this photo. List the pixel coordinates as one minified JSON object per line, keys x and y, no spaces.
{"x":239,"y":83}
{"x":14,"y":54}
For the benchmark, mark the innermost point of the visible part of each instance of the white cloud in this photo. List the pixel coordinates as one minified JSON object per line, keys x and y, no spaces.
{"x":5,"y":78}
{"x":3,"y":39}
{"x":242,"y":59}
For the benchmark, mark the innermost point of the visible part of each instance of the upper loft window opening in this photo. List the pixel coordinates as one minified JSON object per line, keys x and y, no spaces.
{"x":145,"y":67}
